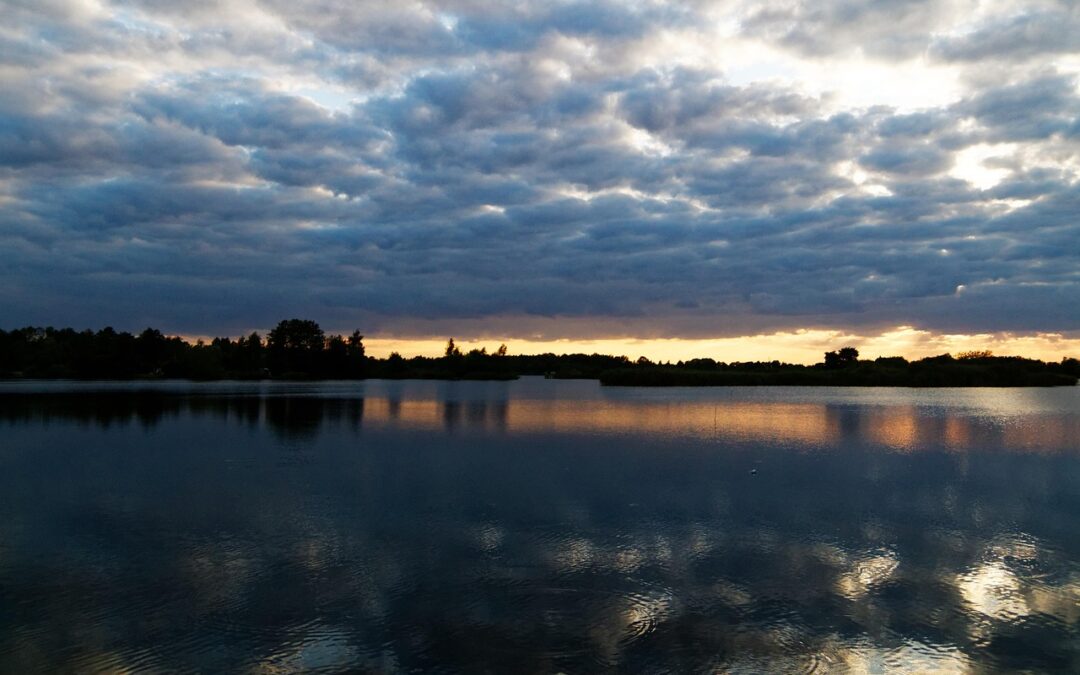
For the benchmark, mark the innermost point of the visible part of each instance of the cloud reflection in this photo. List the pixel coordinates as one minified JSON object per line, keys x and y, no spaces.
{"x":469,"y":529}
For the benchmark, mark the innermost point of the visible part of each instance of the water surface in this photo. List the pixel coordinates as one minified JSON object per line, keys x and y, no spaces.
{"x":536,"y":526}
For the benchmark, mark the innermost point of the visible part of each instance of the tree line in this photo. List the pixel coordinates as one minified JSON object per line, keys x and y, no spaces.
{"x":300,"y":349}
{"x":844,"y":368}
{"x":294,"y":349}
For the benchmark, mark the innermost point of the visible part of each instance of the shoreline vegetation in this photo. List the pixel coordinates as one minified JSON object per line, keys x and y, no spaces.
{"x":298,"y":349}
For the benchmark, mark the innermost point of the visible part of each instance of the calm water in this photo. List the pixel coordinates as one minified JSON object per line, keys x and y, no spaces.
{"x":537,"y":526}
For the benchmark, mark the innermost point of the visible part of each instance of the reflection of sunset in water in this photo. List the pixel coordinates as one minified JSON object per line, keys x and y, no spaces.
{"x":405,"y":526}
{"x":895,"y":419}
{"x":801,"y":423}
{"x":899,"y":428}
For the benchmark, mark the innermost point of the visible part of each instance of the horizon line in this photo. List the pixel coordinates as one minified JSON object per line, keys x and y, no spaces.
{"x":800,"y":346}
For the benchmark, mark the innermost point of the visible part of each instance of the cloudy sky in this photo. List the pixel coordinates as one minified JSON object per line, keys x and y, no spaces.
{"x":899,"y":170}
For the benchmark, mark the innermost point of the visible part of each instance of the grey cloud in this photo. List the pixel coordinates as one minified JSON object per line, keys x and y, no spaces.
{"x":659,"y":101}
{"x":453,"y":29}
{"x":383,"y":27}
{"x":27,"y":139}
{"x":693,"y":110}
{"x":1028,"y":35}
{"x":243,"y":114}
{"x":1032,"y":109}
{"x":485,"y":170}
{"x":914,"y":125}
{"x":522,"y":28}
{"x":884,"y":28}
{"x":762,"y":182}
{"x":820,"y":139}
{"x":906,"y":159}
{"x":187,"y":210}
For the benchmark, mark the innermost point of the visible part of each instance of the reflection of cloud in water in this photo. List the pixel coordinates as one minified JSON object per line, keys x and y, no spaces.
{"x":1061,"y":601}
{"x":314,"y":648}
{"x":572,"y":555}
{"x":995,"y":591}
{"x":489,"y":537}
{"x":867,"y":573}
{"x":1001,"y":588}
{"x":628,"y":560}
{"x":581,"y":535}
{"x":731,"y":594}
{"x":908,"y":657}
{"x":220,"y":573}
{"x":630,"y":617}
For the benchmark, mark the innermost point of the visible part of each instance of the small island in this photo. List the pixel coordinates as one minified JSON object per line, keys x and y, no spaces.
{"x":298,"y":349}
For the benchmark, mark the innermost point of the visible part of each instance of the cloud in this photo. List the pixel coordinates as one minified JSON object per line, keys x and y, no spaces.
{"x":906,"y":158}
{"x":593,"y":166}
{"x":1031,"y":34}
{"x":883,"y":28}
{"x":1030,"y":110}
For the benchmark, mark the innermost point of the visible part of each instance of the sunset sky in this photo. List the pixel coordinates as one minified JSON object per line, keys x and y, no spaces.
{"x":733,"y":179}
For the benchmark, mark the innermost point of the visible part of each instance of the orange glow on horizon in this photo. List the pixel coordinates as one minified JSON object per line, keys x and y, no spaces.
{"x":805,"y":346}
{"x":800,"y":346}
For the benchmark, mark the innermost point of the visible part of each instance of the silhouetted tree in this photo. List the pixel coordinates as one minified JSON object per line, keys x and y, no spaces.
{"x":335,"y":358}
{"x":1069,"y":366}
{"x":295,"y":346}
{"x":940,"y":359}
{"x":251,"y":354}
{"x":451,"y":349}
{"x":845,"y":357}
{"x":150,"y":351}
{"x":202,"y":361}
{"x":701,"y":364}
{"x":395,"y":364}
{"x":501,"y":351}
{"x":357,"y":355}
{"x":356,"y":345}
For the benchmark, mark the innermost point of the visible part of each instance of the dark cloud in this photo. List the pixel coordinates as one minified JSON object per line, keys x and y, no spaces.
{"x":906,"y":158}
{"x":219,"y":166}
{"x":1024,"y":36}
{"x":884,"y":28}
{"x":1033,"y":109}
{"x":915,"y":125}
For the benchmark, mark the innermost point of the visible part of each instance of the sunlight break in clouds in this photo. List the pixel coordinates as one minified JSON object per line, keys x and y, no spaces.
{"x":689,"y":173}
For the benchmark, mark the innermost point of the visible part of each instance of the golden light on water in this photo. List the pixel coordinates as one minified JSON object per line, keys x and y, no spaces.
{"x":897,"y":428}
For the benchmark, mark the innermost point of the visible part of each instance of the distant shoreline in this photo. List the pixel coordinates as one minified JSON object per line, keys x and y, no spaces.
{"x":653,"y":378}
{"x":954,"y":377}
{"x":299,"y":350}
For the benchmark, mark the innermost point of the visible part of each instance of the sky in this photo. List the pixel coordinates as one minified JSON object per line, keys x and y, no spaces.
{"x":720,"y":179}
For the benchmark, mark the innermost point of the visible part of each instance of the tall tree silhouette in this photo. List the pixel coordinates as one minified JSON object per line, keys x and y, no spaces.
{"x":845,"y":357}
{"x":356,"y":355}
{"x":452,"y":349}
{"x":295,"y":346}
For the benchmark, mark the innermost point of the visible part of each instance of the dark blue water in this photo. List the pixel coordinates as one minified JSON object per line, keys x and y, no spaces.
{"x":537,"y":526}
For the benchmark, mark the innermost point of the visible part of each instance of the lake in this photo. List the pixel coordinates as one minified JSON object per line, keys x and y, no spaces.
{"x":536,"y":526}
